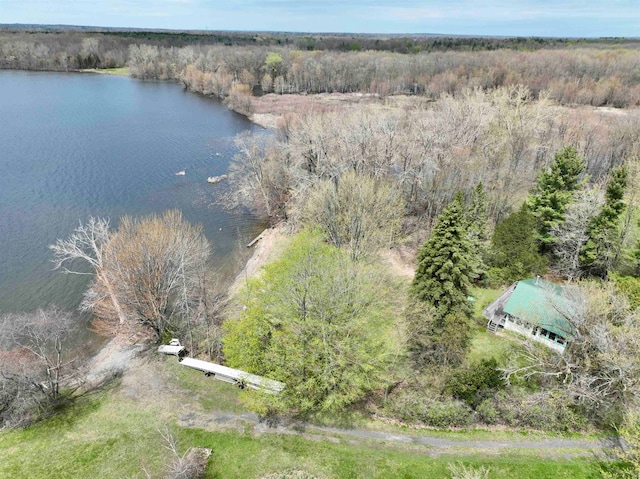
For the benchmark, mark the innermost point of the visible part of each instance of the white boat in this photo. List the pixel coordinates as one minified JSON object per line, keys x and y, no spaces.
{"x":181,"y":173}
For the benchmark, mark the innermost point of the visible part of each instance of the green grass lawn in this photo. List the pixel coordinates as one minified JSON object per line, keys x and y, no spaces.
{"x":244,"y":456}
{"x":486,"y":345}
{"x":112,"y":436}
{"x":100,"y":438}
{"x":483,"y":297}
{"x":210,"y":392}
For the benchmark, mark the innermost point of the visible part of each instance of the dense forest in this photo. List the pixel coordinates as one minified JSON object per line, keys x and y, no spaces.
{"x":478,"y":157}
{"x":594,"y":73}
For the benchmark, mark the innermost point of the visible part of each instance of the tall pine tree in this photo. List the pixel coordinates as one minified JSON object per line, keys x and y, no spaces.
{"x":554,"y":191}
{"x":514,"y":251}
{"x":445,"y":264}
{"x":597,"y":254}
{"x":476,"y":222}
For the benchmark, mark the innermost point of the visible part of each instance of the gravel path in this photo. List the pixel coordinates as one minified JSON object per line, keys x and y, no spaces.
{"x":145,"y":382}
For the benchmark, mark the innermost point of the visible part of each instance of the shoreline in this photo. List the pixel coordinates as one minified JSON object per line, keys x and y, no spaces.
{"x":269,"y":245}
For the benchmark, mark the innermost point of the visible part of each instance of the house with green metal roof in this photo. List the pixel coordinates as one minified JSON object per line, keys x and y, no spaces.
{"x":536,"y":309}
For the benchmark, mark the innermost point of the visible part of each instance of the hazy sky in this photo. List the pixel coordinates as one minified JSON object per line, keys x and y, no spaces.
{"x":586,"y":18}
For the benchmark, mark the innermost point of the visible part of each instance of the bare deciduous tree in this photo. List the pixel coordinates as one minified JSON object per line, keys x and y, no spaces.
{"x":156,"y":263}
{"x":572,"y":235}
{"x":149,"y":272}
{"x":359,"y":213}
{"x":259,"y":177}
{"x":190,"y":465}
{"x":36,"y":362}
{"x":87,"y":244}
{"x":600,"y":366}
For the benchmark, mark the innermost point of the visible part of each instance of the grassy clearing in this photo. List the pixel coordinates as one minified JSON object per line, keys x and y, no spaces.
{"x":113,"y":435}
{"x":483,"y":297}
{"x":244,"y":456}
{"x":124,"y":71}
{"x":210,"y":392}
{"x":486,"y":345}
{"x":98,"y":438}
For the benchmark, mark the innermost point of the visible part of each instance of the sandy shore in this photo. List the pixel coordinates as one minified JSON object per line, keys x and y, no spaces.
{"x":268,"y":247}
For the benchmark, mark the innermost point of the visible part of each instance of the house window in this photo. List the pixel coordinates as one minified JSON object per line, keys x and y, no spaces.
{"x":559,"y":340}
{"x":543,"y":332}
{"x":552,"y":336}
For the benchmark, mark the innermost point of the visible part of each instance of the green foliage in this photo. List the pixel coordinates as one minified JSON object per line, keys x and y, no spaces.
{"x":487,"y":412}
{"x":635,"y":254}
{"x":435,"y":341}
{"x":420,"y":408}
{"x":514,"y":251}
{"x":628,"y":449}
{"x":629,"y":286}
{"x":445,"y":264}
{"x":547,"y":411}
{"x":476,"y":382}
{"x":438,"y":322}
{"x":554,"y":191}
{"x":476,"y":217}
{"x":317,"y":322}
{"x":273,"y":63}
{"x":597,"y":254}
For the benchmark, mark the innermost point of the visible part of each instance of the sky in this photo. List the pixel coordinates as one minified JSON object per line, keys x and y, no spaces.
{"x":554,"y":18}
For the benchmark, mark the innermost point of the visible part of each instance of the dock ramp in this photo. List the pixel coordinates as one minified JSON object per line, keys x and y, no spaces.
{"x":234,"y":376}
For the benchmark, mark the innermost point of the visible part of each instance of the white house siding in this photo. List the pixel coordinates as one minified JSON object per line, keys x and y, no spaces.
{"x":526,"y":329}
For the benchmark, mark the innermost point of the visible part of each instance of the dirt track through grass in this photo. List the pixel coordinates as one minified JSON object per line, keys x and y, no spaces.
{"x":155,"y":384}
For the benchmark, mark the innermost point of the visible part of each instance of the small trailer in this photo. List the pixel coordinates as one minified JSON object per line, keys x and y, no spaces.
{"x":174,"y":348}
{"x":234,"y":376}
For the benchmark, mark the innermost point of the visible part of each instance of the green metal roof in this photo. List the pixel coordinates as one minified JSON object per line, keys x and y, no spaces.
{"x":541,"y":303}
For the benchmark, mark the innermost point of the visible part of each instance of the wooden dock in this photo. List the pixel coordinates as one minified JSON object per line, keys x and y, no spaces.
{"x":256,"y":239}
{"x":234,"y":376}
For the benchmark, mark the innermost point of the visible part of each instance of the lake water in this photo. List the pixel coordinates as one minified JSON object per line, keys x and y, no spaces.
{"x":80,"y":145}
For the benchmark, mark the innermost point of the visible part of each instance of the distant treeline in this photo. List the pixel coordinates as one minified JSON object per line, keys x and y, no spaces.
{"x":398,"y":43}
{"x":590,"y":72}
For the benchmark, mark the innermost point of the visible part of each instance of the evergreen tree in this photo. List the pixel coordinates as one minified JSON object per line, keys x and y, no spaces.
{"x":554,"y":191}
{"x":636,"y":254}
{"x":476,"y":221}
{"x":445,"y":265}
{"x":514,"y":251}
{"x":432,"y":340}
{"x":597,"y":254}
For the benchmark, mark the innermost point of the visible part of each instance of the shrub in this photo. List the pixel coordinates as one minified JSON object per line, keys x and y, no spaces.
{"x":629,"y":286}
{"x":445,"y":414}
{"x":421,"y":408}
{"x":474,"y":383}
{"x":549,"y":411}
{"x":487,"y":412}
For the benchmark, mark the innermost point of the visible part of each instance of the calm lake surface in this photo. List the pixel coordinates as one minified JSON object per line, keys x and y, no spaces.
{"x":80,"y":145}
